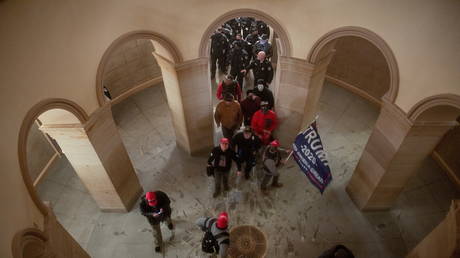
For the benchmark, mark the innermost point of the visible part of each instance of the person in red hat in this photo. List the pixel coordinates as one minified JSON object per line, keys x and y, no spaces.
{"x":271,"y":161}
{"x":219,"y":237}
{"x":155,"y":206}
{"x":221,"y":161}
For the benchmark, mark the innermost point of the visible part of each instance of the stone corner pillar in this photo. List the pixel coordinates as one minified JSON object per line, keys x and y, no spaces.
{"x":297,"y":90}
{"x":195,"y":91}
{"x":99,"y":158}
{"x":103,"y":134}
{"x":393,"y":154}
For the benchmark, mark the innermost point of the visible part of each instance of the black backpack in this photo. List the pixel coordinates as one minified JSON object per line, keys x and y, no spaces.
{"x":209,"y":243}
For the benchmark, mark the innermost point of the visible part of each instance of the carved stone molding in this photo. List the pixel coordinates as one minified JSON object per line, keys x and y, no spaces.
{"x":433,"y":101}
{"x":27,"y":123}
{"x":285,"y":47}
{"x":141,"y":34}
{"x":191,"y":64}
{"x":314,"y":54}
{"x":31,"y":242}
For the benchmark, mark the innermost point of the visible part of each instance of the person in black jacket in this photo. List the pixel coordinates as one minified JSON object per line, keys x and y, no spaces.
{"x":155,"y":206}
{"x":238,"y":59}
{"x":261,"y":68}
{"x":221,"y":160}
{"x":263,"y":28}
{"x":219,"y":49}
{"x":338,"y":251}
{"x":247,"y":25}
{"x":264,"y":93}
{"x":246,"y":145}
{"x":263,"y":45}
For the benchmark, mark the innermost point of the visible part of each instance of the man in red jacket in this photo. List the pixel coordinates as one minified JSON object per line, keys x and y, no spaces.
{"x":264,"y":122}
{"x":229,"y":85}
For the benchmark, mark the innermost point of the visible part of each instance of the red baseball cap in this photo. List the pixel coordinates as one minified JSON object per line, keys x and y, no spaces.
{"x":151,"y":198}
{"x":224,"y":140}
{"x":275,"y":143}
{"x":222,"y":220}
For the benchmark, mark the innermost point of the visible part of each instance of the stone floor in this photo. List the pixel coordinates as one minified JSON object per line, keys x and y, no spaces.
{"x":297,"y":220}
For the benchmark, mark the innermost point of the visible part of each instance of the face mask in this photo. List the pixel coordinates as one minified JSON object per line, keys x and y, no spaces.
{"x":260,"y":87}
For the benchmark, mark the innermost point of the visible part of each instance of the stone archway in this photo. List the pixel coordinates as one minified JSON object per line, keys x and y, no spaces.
{"x":283,"y":44}
{"x":27,"y":123}
{"x":174,"y":74}
{"x":397,"y":147}
{"x":432,"y":102}
{"x":285,"y":47}
{"x":169,"y":46}
{"x":326,"y":43}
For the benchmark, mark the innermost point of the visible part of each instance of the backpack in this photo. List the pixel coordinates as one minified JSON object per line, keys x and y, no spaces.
{"x":229,"y":89}
{"x":209,"y":243}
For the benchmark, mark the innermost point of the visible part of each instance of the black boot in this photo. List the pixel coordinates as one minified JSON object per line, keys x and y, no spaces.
{"x":275,"y":182}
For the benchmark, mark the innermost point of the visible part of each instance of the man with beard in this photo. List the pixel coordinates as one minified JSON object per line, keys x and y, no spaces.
{"x":264,"y":122}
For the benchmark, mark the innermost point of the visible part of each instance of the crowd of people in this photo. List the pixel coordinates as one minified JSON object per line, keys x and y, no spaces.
{"x":241,"y":44}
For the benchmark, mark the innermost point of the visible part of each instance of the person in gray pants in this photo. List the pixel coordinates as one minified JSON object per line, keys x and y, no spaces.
{"x":271,"y":161}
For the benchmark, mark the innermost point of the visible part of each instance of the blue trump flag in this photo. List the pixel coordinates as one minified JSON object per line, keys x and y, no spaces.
{"x":309,"y":153}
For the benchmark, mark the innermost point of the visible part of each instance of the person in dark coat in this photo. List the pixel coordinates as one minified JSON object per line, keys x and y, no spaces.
{"x":221,"y":161}
{"x":263,"y":45}
{"x":238,"y":59}
{"x":155,"y":206}
{"x":249,"y":106}
{"x":264,"y":93}
{"x":247,"y":25}
{"x":263,"y":28}
{"x":338,"y":251}
{"x":235,"y":24}
{"x":219,"y":49}
{"x":246,"y":144}
{"x":261,"y":68}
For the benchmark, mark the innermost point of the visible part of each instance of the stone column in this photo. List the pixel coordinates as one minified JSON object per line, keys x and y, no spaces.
{"x":97,"y":154}
{"x":297,"y":90}
{"x":195,"y":90}
{"x":175,"y":102}
{"x":394,"y":152}
{"x":291,"y":91}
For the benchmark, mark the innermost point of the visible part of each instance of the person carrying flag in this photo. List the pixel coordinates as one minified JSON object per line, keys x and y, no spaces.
{"x":271,"y":161}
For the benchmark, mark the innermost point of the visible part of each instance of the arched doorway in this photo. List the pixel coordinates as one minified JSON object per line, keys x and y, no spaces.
{"x":61,"y":104}
{"x":139,"y":102}
{"x":41,"y":159}
{"x":278,"y":38}
{"x":353,"y":70}
{"x":323,"y":52}
{"x":136,"y":61}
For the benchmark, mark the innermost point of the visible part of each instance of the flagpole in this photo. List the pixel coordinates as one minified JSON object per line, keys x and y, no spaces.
{"x":290,"y":153}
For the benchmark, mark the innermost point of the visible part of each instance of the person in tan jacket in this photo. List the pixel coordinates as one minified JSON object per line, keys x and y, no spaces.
{"x":228,"y":114}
